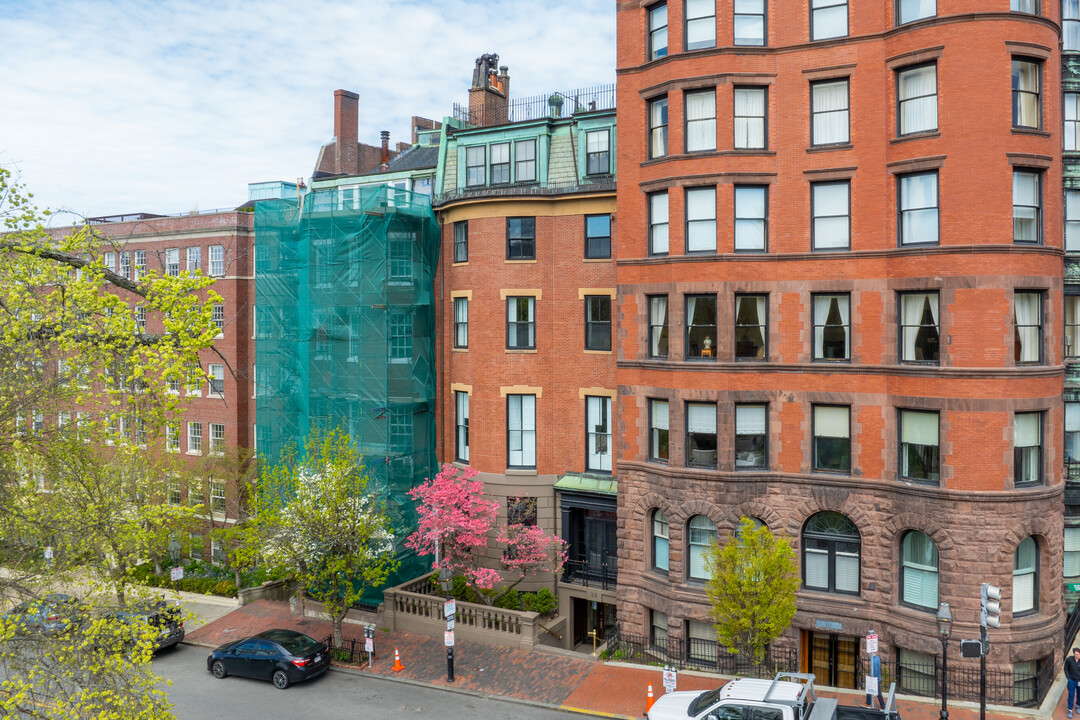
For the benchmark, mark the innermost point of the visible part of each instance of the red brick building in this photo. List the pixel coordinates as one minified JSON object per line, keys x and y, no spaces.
{"x":839,"y":310}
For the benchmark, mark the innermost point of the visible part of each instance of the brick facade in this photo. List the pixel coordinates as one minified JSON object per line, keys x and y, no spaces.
{"x":973,"y":513}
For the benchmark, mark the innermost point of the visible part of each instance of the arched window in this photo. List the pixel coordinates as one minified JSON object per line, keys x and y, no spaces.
{"x":1026,"y":577}
{"x":702,"y":532}
{"x":919,"y":571}
{"x":660,"y":540}
{"x":831,"y":547}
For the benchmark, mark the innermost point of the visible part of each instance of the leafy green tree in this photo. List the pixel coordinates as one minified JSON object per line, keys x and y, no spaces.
{"x":318,"y":520}
{"x":231,"y":521}
{"x":753,"y":578}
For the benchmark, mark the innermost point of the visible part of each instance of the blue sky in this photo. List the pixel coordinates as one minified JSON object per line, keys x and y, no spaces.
{"x":167,"y":107}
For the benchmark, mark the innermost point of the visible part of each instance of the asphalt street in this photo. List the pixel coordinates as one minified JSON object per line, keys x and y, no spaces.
{"x":197,"y":695}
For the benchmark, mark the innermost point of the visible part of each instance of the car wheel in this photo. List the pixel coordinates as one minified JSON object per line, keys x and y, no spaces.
{"x":218,"y":668}
{"x":281,"y":679}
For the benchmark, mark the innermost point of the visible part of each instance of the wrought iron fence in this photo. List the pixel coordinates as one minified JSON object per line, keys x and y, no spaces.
{"x":697,"y":654}
{"x":557,"y":104}
{"x":1003,"y":687}
{"x":351,"y":650}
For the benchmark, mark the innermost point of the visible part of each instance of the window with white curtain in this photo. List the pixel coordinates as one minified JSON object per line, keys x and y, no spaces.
{"x":598,"y":433}
{"x":918,"y":203}
{"x":912,"y":10}
{"x":751,"y":327}
{"x":658,"y":326}
{"x":1025,"y":6}
{"x":1027,"y":448}
{"x":919,"y":330}
{"x":828,"y":19}
{"x":461,"y":322}
{"x":1026,"y":577}
{"x":832,"y":438}
{"x":750,"y":437}
{"x":1072,"y":432}
{"x":1072,"y":221}
{"x":521,"y":431}
{"x":1070,"y":25}
{"x":700,"y":24}
{"x":702,"y":532}
{"x":1072,"y":552}
{"x":701,"y":219}
{"x":700,"y":120}
{"x":919,"y":446}
{"x":831,"y":214}
{"x":1027,"y":207}
{"x":658,"y":430}
{"x":461,"y":423}
{"x":701,"y":434}
{"x":749,"y":118}
{"x":659,"y":540}
{"x":461,"y":241}
{"x":919,"y":570}
{"x":749,"y":22}
{"x":832,"y":327}
{"x":751,"y":218}
{"x":1072,"y":327}
{"x":831,"y":553}
{"x":658,"y":122}
{"x":658,"y":223}
{"x":829,"y":112}
{"x":657,"y":31}
{"x":700,"y":326}
{"x":1027,"y":320}
{"x":1026,"y":91}
{"x":916,"y":97}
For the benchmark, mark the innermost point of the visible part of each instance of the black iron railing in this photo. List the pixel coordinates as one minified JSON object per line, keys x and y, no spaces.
{"x":557,"y":105}
{"x":589,"y":183}
{"x":582,"y":572}
{"x":697,"y":654}
{"x":1003,"y":687}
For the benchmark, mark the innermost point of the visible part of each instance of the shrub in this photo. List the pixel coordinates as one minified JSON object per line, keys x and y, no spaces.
{"x":509,"y":601}
{"x":543,"y":602}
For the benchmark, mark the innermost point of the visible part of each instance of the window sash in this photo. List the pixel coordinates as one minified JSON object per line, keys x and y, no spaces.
{"x":521,"y":323}
{"x":525,"y":161}
{"x":475,"y":165}
{"x":828,"y":19}
{"x":700,"y":325}
{"x":658,"y":122}
{"x":701,"y":219}
{"x":598,"y":433}
{"x":461,"y":322}
{"x":831,"y":215}
{"x":658,"y":39}
{"x":597,"y":152}
{"x":1027,"y":319}
{"x":1027,"y":86}
{"x":700,"y":24}
{"x":830,"y":112}
{"x":918,"y":208}
{"x":658,"y":223}
{"x":597,"y":236}
{"x":912,"y":10}
{"x":461,"y":241}
{"x":751,"y":217}
{"x":751,"y":326}
{"x":916,"y":90}
{"x":749,"y":22}
{"x":919,"y":341}
{"x":658,"y":430}
{"x":826,"y":346}
{"x":700,"y":120}
{"x":461,"y":422}
{"x":749,"y":118}
{"x":521,"y":430}
{"x":597,"y":322}
{"x":1027,"y":207}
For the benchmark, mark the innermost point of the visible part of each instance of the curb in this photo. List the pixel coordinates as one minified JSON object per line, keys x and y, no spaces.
{"x":347,"y":670}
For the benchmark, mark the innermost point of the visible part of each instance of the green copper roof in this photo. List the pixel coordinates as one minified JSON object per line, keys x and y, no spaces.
{"x":588,"y":483}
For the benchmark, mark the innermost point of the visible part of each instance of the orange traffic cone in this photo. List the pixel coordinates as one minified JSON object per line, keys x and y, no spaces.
{"x":398,"y":667}
{"x":649,"y":700}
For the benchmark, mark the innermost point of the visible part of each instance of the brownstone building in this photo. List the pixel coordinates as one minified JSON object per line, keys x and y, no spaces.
{"x":839,"y":308}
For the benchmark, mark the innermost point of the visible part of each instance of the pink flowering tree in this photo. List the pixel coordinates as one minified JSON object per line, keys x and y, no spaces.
{"x":455,"y":523}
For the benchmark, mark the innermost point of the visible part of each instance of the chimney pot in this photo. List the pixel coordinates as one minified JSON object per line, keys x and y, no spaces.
{"x":385,"y":149}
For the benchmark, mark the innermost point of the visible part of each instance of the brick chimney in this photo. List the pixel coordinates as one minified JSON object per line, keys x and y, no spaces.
{"x":488,"y":97}
{"x":346,"y":133}
{"x":385,"y":162}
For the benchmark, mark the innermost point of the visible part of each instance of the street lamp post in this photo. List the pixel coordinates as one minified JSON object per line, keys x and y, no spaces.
{"x":944,"y":620}
{"x":446,"y":579}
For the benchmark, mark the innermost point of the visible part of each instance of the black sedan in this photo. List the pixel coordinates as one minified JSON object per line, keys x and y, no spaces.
{"x":281,"y":656}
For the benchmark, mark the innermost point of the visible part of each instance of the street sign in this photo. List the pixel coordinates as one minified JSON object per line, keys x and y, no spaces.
{"x":671,"y":679}
{"x":369,"y":645}
{"x":177,"y":574}
{"x":449,"y":622}
{"x":871,"y":643}
{"x":1073,"y":587}
{"x":449,"y":608}
{"x":448,"y":638}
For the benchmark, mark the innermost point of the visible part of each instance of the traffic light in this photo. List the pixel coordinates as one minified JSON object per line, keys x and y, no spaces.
{"x":990,"y":614}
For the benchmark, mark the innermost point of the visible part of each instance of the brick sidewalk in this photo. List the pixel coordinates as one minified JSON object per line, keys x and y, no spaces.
{"x":550,"y":679}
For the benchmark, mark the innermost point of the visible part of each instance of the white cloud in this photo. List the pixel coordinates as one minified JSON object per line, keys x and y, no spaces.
{"x":127,"y":106}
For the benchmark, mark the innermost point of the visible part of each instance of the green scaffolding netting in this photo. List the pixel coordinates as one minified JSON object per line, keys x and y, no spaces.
{"x":345,"y":333}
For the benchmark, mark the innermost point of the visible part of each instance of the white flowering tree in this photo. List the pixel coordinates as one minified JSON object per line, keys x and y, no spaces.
{"x":318,"y":520}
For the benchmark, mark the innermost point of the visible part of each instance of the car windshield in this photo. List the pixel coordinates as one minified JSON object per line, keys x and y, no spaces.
{"x":294,"y":643}
{"x":703,"y":701}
